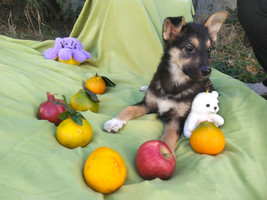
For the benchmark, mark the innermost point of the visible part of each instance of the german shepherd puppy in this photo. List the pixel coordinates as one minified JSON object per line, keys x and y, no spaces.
{"x":183,"y":72}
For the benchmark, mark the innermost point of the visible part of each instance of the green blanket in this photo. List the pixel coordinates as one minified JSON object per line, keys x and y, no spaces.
{"x":124,"y":38}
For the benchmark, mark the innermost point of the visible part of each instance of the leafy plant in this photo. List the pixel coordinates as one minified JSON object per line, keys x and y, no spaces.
{"x":66,"y":10}
{"x":232,"y":57}
{"x":38,"y":19}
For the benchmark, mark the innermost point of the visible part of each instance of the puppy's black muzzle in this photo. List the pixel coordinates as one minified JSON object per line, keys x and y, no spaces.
{"x":205,"y":71}
{"x":197,"y":74}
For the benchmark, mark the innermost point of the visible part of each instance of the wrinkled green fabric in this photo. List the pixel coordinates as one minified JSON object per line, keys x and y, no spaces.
{"x":124,"y":38}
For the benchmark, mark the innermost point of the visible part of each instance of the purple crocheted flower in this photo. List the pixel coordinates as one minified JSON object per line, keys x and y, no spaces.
{"x":66,"y":49}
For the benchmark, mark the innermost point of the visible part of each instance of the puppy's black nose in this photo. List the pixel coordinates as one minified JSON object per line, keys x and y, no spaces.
{"x":205,"y":71}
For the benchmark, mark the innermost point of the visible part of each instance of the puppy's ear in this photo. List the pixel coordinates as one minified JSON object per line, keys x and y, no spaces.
{"x":214,"y":23}
{"x":172,"y":27}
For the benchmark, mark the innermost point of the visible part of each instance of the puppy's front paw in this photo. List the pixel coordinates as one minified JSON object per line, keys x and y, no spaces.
{"x":114,"y":125}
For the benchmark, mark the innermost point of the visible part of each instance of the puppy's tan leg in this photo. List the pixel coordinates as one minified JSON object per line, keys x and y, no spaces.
{"x":171,"y":135}
{"x":130,"y":112}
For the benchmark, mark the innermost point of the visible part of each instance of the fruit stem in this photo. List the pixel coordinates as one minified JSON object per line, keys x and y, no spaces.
{"x":166,"y":154}
{"x":50,"y":96}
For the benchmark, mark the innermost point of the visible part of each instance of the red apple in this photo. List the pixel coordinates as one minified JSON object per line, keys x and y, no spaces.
{"x":154,"y":159}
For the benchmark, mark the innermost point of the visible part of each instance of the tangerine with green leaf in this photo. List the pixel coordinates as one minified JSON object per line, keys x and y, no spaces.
{"x":96,"y":84}
{"x":72,"y":135}
{"x":207,"y":138}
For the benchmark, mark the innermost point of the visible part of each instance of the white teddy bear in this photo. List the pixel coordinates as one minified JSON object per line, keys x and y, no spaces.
{"x":204,"y":108}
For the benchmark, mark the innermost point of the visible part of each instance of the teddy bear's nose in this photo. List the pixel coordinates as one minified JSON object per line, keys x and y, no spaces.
{"x":215,"y":108}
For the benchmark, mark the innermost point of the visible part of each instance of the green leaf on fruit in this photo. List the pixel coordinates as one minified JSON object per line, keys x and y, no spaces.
{"x":77,"y":118}
{"x":108,"y":82}
{"x":64,"y":115}
{"x":90,"y":93}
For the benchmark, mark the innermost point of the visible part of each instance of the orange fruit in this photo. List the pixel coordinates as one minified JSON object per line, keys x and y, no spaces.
{"x":105,"y":170}
{"x":72,"y":135}
{"x":82,"y":102}
{"x":96,"y":84}
{"x":207,"y":138}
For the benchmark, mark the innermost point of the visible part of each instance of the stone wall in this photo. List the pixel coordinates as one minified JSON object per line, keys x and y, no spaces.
{"x":203,"y":8}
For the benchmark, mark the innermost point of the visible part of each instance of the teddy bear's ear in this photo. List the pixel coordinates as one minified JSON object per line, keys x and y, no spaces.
{"x":214,"y":93}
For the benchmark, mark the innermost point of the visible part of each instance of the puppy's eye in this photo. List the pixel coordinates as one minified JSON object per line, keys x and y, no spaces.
{"x":209,"y":49}
{"x":208,"y":105}
{"x":189,"y":48}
